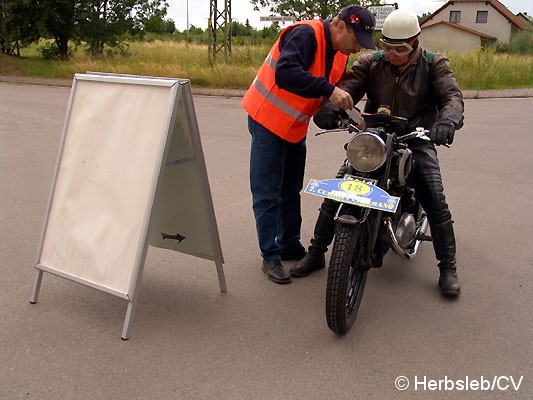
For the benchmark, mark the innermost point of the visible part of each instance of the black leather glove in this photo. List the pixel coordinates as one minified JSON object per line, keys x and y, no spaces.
{"x":442,"y":132}
{"x":327,"y":119}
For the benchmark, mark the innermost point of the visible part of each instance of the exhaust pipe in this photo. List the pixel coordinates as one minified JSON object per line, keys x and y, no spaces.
{"x":398,"y":249}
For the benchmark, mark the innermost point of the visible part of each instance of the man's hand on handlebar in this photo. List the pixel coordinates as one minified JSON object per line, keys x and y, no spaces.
{"x":442,"y":133}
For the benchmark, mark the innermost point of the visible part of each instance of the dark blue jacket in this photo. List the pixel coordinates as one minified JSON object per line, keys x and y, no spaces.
{"x":298,"y":47}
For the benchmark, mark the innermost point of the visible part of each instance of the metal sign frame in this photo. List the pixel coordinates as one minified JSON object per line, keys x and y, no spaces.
{"x":179,"y":99}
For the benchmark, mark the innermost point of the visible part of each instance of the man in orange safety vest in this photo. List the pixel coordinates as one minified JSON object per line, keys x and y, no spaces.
{"x":300,"y":71}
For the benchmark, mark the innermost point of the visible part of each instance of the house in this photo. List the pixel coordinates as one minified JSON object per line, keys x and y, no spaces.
{"x":465,"y":25}
{"x":525,"y":17}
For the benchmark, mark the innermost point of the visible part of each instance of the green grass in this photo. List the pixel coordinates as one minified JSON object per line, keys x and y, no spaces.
{"x":155,"y":58}
{"x":488,"y":70}
{"x":479,"y":70}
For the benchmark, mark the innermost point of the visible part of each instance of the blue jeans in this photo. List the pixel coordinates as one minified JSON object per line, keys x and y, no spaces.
{"x":276,"y":180}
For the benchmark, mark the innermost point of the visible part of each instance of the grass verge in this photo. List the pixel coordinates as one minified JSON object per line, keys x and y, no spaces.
{"x":474,"y":71}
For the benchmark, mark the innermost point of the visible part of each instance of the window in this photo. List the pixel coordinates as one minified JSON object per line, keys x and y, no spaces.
{"x":481,"y":17}
{"x":455,"y":16}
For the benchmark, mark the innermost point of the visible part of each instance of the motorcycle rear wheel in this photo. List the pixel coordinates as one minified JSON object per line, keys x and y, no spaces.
{"x":346,"y":277}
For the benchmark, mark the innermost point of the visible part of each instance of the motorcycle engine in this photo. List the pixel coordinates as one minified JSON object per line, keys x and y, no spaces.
{"x":406,"y":230}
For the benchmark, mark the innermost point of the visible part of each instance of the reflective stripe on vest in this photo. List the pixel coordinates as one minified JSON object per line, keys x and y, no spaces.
{"x":284,"y":113}
{"x":278,"y":102}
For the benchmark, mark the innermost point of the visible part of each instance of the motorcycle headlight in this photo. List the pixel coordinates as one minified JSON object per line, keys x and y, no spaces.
{"x":366,"y":152}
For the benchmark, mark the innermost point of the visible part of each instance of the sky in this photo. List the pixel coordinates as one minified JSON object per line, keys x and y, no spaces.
{"x":241,"y":10}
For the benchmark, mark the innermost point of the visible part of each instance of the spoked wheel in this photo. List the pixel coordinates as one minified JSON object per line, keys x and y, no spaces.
{"x":346,"y":277}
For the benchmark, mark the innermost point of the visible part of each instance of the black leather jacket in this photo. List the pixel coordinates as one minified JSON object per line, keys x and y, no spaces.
{"x":422,"y":91}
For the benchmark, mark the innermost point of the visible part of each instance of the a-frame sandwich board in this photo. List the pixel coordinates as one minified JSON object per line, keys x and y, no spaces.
{"x":130,"y":172}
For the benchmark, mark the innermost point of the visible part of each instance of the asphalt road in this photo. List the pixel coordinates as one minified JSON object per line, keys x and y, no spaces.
{"x":261,"y":340}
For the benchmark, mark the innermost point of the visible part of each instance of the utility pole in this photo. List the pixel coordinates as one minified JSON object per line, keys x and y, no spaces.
{"x":219,"y":27}
{"x":188,"y":29}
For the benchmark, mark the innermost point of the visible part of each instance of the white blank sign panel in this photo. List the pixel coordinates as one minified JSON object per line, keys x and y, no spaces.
{"x":111,"y":155}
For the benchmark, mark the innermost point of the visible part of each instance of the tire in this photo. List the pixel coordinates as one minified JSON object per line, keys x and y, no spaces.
{"x":346,"y":277}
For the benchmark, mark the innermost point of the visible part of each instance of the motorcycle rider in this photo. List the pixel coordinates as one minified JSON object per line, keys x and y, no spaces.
{"x":417,"y":85}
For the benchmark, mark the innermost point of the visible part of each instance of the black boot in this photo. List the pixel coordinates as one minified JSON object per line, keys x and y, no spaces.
{"x":444,"y":245}
{"x":315,"y":259}
{"x":449,"y":283}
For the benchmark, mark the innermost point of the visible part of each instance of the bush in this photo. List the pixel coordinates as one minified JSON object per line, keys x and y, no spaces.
{"x":522,"y":43}
{"x":49,"y":51}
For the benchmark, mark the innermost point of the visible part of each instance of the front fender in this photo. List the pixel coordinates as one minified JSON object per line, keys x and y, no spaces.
{"x":351,"y":215}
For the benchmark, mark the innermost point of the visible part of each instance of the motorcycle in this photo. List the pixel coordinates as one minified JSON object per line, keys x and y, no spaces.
{"x":377,"y":209}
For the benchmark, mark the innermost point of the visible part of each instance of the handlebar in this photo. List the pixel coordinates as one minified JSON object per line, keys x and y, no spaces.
{"x":345,"y":126}
{"x":380,"y":119}
{"x":386,"y":120}
{"x":418,"y":133}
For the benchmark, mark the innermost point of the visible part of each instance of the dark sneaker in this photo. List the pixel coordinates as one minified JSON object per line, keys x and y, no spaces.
{"x":275,"y":272}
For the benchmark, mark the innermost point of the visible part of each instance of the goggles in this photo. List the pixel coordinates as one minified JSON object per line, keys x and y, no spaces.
{"x":399,"y":49}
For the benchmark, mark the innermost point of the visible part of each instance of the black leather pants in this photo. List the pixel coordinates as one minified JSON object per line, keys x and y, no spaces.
{"x":427,"y":181}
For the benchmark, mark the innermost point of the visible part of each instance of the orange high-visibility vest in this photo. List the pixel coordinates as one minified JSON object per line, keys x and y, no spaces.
{"x":281,"y":112}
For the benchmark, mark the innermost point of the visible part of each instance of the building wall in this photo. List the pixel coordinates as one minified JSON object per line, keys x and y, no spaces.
{"x":497,"y":25}
{"x":444,"y":39}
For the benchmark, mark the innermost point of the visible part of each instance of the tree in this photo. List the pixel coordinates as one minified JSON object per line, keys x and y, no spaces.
{"x":270,"y":32}
{"x":308,"y":9}
{"x":170,"y":26}
{"x":98,"y":23}
{"x":150,"y":16}
{"x":104,"y":22}
{"x":193,"y":30}
{"x":59,"y":19}
{"x":423,"y":16}
{"x":238,"y":29}
{"x":18,"y":25}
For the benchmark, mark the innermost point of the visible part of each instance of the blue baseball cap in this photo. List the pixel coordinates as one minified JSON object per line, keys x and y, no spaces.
{"x":362,"y":23}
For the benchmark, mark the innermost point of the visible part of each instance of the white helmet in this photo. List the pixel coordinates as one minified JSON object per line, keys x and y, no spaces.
{"x":400,"y":25}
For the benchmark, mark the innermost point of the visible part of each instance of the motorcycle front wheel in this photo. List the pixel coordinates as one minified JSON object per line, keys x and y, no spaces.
{"x":346,"y":277}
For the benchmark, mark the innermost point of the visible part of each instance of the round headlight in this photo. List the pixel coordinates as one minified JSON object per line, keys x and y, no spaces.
{"x":366,"y":152}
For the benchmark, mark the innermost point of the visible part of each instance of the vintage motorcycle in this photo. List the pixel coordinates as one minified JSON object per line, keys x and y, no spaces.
{"x":378,"y":209}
